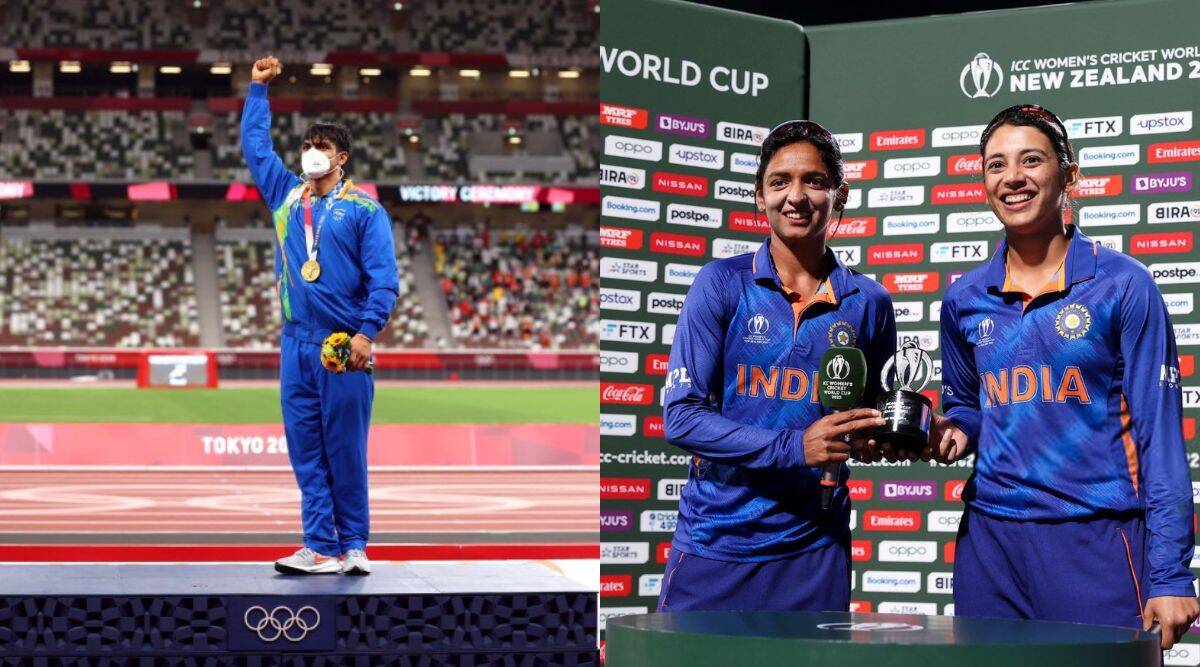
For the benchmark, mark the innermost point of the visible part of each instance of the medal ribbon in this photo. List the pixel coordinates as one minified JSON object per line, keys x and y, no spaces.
{"x":310,"y":239}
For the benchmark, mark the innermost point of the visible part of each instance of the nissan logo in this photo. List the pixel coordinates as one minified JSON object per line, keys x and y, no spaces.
{"x":636,"y":148}
{"x":281,"y":622}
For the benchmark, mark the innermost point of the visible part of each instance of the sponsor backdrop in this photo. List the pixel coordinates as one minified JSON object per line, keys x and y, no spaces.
{"x":907,"y":100}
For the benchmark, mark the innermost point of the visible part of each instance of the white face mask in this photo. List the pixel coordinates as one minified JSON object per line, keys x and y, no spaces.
{"x":315,"y":163}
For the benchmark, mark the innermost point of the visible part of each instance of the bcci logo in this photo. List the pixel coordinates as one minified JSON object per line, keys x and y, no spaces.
{"x":986,"y":327}
{"x":981,"y":77}
{"x":841,"y":334}
{"x":758,"y":326}
{"x":1073,"y":321}
{"x":837,"y":368}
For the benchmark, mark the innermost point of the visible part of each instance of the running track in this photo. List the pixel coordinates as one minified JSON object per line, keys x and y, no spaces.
{"x":485,"y":512}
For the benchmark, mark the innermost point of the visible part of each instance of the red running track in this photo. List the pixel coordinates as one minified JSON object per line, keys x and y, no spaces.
{"x":219,"y":514}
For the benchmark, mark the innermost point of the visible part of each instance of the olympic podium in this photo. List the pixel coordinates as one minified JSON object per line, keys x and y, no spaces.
{"x":477,"y":613}
{"x":700,"y":639}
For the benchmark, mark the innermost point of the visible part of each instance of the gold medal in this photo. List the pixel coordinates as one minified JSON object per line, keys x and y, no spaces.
{"x":310,"y":271}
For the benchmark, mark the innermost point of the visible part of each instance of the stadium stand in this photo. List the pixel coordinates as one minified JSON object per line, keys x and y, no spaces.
{"x":97,"y":292}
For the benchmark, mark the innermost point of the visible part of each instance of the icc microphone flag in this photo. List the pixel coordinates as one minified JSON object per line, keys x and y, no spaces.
{"x":841,"y":379}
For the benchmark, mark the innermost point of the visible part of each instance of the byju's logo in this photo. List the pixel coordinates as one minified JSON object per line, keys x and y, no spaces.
{"x":981,"y":77}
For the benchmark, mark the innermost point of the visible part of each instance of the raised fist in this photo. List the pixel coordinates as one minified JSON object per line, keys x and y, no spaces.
{"x":265,"y":69}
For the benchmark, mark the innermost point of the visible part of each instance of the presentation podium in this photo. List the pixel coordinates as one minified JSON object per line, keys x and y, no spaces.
{"x":699,"y":639}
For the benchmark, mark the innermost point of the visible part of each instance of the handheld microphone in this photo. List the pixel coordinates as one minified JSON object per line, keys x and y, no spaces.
{"x":841,"y":380}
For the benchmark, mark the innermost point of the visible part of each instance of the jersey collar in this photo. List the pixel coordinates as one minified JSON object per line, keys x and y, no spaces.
{"x":840,"y":281}
{"x":1080,"y":262}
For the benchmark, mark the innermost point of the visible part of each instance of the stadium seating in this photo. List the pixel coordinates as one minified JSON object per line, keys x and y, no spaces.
{"x":330,"y":25}
{"x":534,"y":289}
{"x":57,"y":144}
{"x":250,"y":313}
{"x":97,"y":293}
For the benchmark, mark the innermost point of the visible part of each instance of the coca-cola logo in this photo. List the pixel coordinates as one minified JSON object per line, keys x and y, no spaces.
{"x":961,"y":165}
{"x":852,"y":228}
{"x":621,"y":393}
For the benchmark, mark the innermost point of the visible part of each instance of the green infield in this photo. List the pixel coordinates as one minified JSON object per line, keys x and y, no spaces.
{"x":393,"y":405}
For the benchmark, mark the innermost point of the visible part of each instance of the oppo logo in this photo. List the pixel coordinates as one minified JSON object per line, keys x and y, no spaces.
{"x":613,"y":361}
{"x":963,"y":135}
{"x":981,"y":221}
{"x":912,"y":167}
{"x":637,"y":149}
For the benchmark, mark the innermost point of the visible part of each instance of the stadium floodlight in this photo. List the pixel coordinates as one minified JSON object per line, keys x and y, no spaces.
{"x":515,"y":139}
{"x":518,"y":73}
{"x":414,"y":138}
{"x":397,"y":6}
{"x":469,"y":73}
{"x":420,"y":71}
{"x":18,"y":66}
{"x":568,"y":74}
{"x":170,"y":69}
{"x":221,"y":68}
{"x":70,"y":67}
{"x":321,"y":69}
{"x":369,"y":71}
{"x":120,"y":67}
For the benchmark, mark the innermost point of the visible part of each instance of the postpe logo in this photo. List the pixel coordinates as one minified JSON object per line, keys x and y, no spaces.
{"x":981,"y":77}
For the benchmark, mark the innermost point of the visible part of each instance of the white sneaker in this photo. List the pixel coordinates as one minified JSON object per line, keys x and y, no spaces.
{"x":355,"y":562}
{"x":307,"y":561}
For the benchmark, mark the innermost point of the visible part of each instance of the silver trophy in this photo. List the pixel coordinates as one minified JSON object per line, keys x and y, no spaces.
{"x":906,"y":412}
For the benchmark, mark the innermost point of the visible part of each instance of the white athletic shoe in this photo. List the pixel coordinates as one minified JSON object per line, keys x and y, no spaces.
{"x":307,"y":561}
{"x":355,"y":562}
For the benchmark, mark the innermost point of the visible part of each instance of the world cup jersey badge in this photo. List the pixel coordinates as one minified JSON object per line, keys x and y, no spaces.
{"x":841,"y":334}
{"x":1073,"y":321}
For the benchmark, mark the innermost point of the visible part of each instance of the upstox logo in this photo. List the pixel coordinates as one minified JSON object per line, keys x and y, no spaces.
{"x":1161,"y":123}
{"x":696,"y":156}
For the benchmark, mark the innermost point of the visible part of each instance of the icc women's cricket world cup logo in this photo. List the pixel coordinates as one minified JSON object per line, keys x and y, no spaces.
{"x":838,"y":368}
{"x":912,"y":367}
{"x":906,"y":411}
{"x":981,"y":77}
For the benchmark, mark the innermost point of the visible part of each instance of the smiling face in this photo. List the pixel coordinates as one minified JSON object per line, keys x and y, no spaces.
{"x":1024,"y":181}
{"x":798,"y":193}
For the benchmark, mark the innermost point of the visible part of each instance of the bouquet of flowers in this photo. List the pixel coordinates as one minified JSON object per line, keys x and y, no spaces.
{"x":335,"y":352}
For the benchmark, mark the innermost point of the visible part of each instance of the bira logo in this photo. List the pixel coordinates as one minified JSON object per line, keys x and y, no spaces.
{"x":851,"y":228}
{"x":966,"y":193}
{"x":611,"y":114}
{"x":620,"y":393}
{"x":1098,"y":186}
{"x":1148,"y":244}
{"x":899,"y":253}
{"x":680,"y":184}
{"x":966,"y":164}
{"x":621,"y":238}
{"x":892,"y":140}
{"x":677,"y":244}
{"x":622,"y":177}
{"x":910,"y":282}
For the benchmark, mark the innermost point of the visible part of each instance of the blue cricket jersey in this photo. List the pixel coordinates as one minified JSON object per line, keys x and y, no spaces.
{"x":741,"y":389}
{"x":1073,"y":400}
{"x":359,"y":282}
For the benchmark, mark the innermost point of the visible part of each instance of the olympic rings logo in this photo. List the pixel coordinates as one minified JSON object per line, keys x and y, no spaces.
{"x":270,"y":627}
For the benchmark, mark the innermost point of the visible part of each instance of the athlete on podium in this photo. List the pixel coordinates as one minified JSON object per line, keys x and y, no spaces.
{"x":336,"y":272}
